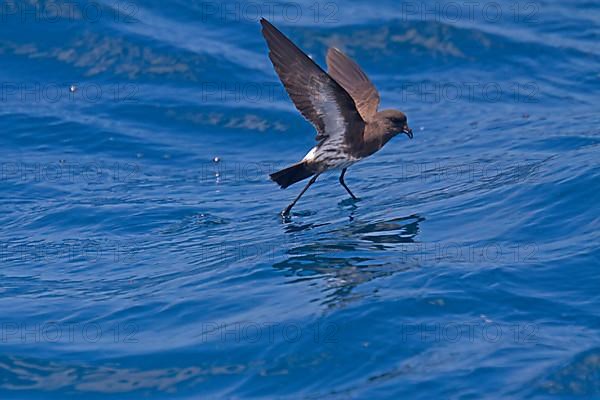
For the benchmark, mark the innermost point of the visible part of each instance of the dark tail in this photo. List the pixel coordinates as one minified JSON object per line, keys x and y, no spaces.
{"x":290,"y":175}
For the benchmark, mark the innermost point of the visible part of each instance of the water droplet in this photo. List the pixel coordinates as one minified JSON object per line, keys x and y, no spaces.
{"x":216,"y":159}
{"x":72,"y":88}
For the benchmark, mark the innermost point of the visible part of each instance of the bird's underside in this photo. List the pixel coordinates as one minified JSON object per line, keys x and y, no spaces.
{"x":328,"y":156}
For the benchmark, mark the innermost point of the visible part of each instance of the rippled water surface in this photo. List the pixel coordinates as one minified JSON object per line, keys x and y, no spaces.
{"x":141,"y":248}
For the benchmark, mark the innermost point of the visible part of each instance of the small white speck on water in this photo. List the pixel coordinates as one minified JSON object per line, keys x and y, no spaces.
{"x":216,"y":159}
{"x":72,"y":88}
{"x":139,"y":155}
{"x":485,"y":319}
{"x":422,"y":128}
{"x":167,"y":156}
{"x":437,"y":302}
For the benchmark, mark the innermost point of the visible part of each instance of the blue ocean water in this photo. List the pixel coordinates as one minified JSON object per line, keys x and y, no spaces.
{"x":141,"y":248}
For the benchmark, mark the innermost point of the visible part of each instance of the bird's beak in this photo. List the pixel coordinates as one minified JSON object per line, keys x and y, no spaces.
{"x":408,"y":132}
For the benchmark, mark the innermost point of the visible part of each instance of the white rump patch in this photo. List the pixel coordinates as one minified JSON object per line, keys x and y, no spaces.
{"x":310,"y":156}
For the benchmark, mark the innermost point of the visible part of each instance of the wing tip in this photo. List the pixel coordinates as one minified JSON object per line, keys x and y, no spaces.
{"x":268,"y":29}
{"x":265,"y":23}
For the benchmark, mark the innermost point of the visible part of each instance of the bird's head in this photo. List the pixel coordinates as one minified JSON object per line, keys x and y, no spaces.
{"x":396,"y":122}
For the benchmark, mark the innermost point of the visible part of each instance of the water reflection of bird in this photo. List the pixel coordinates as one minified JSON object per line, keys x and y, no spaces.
{"x":349,"y":256}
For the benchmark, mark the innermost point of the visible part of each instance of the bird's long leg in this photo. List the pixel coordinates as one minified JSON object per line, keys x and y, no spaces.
{"x":344,"y":183}
{"x":289,"y":208}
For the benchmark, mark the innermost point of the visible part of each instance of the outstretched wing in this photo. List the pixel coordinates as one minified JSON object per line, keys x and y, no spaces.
{"x":348,"y":74}
{"x":320,"y":99}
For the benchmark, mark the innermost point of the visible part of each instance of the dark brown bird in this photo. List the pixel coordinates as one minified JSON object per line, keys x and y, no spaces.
{"x":341,"y":104}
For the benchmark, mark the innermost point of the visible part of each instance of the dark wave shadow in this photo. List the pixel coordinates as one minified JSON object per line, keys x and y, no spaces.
{"x":577,"y":378}
{"x":30,"y":376}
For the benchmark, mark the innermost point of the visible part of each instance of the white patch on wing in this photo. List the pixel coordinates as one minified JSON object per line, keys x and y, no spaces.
{"x":335,"y":125}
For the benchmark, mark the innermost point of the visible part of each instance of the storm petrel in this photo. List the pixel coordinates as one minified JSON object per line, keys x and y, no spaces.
{"x":341,"y":104}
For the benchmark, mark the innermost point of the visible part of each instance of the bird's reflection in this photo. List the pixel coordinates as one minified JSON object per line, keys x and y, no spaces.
{"x":345,"y":257}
